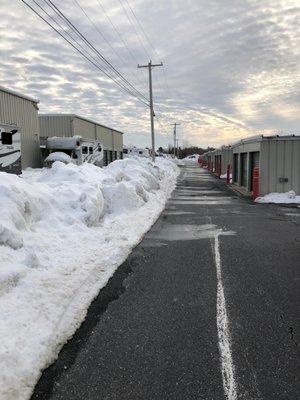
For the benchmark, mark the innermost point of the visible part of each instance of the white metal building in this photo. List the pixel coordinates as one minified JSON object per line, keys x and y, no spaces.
{"x":21,"y":111}
{"x":71,"y":124}
{"x":278,"y":160}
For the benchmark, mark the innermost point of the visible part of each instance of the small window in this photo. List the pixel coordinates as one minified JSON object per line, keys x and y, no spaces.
{"x":6,"y":138}
{"x":91,"y":150}
{"x":125,"y":151}
{"x":84,"y":150}
{"x":140,"y":152}
{"x":99,"y":147}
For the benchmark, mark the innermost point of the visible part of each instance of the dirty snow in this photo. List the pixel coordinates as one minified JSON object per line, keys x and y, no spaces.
{"x":191,"y":160}
{"x":224,"y":176}
{"x":63,"y":233}
{"x":280,"y":198}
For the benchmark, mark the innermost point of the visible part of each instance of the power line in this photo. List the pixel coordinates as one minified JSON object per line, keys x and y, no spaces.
{"x":133,"y":92}
{"x":150,"y":44}
{"x":126,"y":44}
{"x":118,"y":33}
{"x":135,"y":30}
{"x":108,"y":63}
{"x":103,"y":36}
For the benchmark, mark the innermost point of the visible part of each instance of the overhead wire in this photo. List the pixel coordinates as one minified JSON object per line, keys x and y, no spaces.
{"x":129,"y":89}
{"x":106,"y":61}
{"x":155,"y":77}
{"x":104,"y":38}
{"x":135,"y":30}
{"x":149,"y":42}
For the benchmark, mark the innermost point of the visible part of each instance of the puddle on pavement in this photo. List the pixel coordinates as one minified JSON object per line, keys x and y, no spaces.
{"x":292,"y":215}
{"x":200,"y":198}
{"x":172,"y":232}
{"x":177,"y":212}
{"x":152,"y":243}
{"x":195,"y":192}
{"x":201,"y":202}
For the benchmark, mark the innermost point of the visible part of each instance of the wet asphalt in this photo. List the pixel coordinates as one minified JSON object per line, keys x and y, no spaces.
{"x":152,"y":333}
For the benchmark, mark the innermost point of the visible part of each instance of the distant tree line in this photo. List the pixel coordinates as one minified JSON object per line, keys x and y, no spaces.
{"x":185,"y":151}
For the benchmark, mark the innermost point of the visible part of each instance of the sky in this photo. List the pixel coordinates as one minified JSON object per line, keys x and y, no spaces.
{"x":231,"y":68}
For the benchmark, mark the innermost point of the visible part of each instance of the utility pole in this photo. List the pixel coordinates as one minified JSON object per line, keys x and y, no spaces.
{"x":150,"y":66}
{"x":177,"y":140}
{"x":175,"y":126}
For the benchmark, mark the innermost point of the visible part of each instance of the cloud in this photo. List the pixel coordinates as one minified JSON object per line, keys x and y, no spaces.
{"x":231,"y":69}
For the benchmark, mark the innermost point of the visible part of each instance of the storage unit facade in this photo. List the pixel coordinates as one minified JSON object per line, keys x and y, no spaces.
{"x":22,"y":111}
{"x":209,"y":160}
{"x":222,"y":157}
{"x":276,"y":157}
{"x":71,"y":124}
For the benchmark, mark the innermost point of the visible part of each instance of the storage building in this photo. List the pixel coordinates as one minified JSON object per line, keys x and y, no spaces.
{"x":221,"y":159}
{"x":18,"y":110}
{"x":72,"y":124}
{"x":276,"y":157}
{"x":209,"y":160}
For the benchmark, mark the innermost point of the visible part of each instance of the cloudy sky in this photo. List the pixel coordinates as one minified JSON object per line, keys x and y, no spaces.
{"x":231,"y":68}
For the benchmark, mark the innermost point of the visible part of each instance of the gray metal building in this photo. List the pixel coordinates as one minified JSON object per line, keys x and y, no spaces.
{"x":278,"y":160}
{"x":22,"y":111}
{"x":71,"y":124}
{"x":222,"y":157}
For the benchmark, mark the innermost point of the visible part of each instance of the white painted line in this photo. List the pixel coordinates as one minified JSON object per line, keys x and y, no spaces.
{"x":227,"y":366}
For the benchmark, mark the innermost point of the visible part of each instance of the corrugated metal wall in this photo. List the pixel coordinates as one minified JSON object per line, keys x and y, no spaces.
{"x":280,"y":161}
{"x":55,"y":126}
{"x":105,"y":135}
{"x":84,"y":128}
{"x":118,"y":141}
{"x":68,"y":125}
{"x":24,"y":113}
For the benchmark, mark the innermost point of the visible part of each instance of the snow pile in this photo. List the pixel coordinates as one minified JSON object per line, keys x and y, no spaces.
{"x":191,"y":160}
{"x":224,"y":176}
{"x":59,"y":156}
{"x":63,"y":232}
{"x":280,"y":198}
{"x":178,"y":162}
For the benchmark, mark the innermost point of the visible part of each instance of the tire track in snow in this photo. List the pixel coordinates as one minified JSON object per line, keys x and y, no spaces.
{"x":227,"y":366}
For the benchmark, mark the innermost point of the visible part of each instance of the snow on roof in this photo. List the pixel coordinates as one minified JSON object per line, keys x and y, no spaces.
{"x":79,"y":117}
{"x":13,"y":92}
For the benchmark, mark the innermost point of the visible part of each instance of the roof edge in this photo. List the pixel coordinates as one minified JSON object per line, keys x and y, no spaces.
{"x":79,"y":117}
{"x":15,"y":93}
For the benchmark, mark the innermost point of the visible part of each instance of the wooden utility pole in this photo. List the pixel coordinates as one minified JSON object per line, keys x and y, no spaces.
{"x":177,"y":149}
{"x":175,"y":126}
{"x":150,"y":66}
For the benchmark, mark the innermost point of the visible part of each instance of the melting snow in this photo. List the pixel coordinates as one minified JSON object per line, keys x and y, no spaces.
{"x":63,"y":233}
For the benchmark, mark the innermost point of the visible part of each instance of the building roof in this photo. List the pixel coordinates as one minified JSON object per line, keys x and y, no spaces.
{"x":22,"y":96}
{"x":80,"y":117}
{"x":260,"y":138}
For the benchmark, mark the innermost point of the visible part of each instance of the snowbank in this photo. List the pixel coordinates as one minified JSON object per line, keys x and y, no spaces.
{"x":224,"y":176}
{"x":280,"y":198}
{"x":179,"y":162}
{"x":59,"y":156}
{"x":63,"y":233}
{"x":191,"y":160}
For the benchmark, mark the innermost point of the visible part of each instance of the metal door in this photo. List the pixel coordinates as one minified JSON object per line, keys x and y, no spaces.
{"x":254,"y":162}
{"x":244,"y":169}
